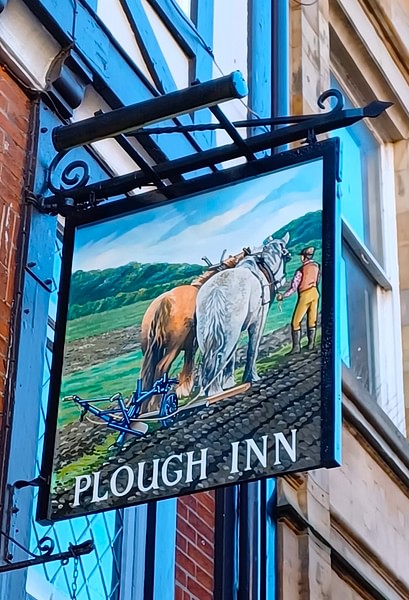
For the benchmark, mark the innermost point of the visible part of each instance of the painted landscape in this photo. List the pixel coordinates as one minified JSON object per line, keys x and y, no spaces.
{"x":103,"y":349}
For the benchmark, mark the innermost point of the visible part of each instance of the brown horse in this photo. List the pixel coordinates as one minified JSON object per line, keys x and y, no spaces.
{"x":168,"y":328}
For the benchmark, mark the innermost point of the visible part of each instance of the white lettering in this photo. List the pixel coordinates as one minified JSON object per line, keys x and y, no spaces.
{"x":290,"y":449}
{"x":80,"y":489}
{"x":234,"y":457}
{"x":95,"y":497}
{"x":129,"y":484}
{"x":190,"y":463}
{"x":154,"y":485}
{"x":261,"y":455}
{"x":178,"y":472}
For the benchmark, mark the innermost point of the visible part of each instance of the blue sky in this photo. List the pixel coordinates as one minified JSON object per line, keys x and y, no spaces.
{"x":240,"y":215}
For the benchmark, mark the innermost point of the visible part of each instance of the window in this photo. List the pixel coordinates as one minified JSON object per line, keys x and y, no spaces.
{"x":360,"y":211}
{"x":99,"y":572}
{"x":368,"y":282}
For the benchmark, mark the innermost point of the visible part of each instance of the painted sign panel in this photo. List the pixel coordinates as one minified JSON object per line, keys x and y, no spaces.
{"x":195,"y":343}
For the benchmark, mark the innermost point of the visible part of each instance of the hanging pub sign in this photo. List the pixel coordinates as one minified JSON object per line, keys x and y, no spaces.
{"x":196,"y":340}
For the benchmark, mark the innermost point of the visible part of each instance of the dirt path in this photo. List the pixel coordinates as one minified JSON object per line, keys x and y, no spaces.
{"x":86,"y":352}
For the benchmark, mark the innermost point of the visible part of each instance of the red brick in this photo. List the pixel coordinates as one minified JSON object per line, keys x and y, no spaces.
{"x":186,"y":563}
{"x":206,"y":546}
{"x":199,"y":558}
{"x":205,"y":579}
{"x":189,"y":501}
{"x":14,"y":113}
{"x":181,"y":542}
{"x":205,"y":515}
{"x":180,"y":576}
{"x":5,"y":328}
{"x":207,"y":499}
{"x":200,"y":526}
{"x":186,"y":529}
{"x":4,"y":103}
{"x":19,"y":138}
{"x":181,"y":508}
{"x":198,"y":591}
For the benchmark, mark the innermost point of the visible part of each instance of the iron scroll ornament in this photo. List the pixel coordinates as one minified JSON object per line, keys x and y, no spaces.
{"x":75,"y":195}
{"x":70,"y":176}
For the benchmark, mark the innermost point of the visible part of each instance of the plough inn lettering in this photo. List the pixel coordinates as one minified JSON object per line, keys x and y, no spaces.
{"x":179,"y":469}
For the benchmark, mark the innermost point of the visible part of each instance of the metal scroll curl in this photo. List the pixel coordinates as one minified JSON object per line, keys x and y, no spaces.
{"x":46,"y":546}
{"x":331,"y":93}
{"x":73,"y":175}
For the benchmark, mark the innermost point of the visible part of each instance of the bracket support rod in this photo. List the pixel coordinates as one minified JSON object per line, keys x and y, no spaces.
{"x":74,"y":551}
{"x":306,"y":128}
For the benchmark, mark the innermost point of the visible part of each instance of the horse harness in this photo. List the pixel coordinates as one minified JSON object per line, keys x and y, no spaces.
{"x":269,"y":275}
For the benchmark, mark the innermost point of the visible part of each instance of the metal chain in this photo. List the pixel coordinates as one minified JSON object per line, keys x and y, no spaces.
{"x":74,"y":587}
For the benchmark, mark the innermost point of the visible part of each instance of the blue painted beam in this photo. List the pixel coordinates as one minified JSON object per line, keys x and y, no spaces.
{"x":260,"y":44}
{"x":179,"y":25}
{"x":157,"y":63}
{"x":281,"y":57}
{"x":271,"y":540}
{"x":119,"y":81}
{"x":149,"y":46}
{"x":203,"y":64}
{"x":165,"y":550}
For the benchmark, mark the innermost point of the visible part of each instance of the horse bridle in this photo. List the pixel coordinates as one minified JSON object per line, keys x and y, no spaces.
{"x":270,"y":275}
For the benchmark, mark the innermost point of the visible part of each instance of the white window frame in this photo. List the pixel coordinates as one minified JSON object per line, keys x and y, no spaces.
{"x":387,"y":340}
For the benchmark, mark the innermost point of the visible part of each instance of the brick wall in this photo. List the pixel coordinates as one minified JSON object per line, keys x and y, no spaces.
{"x":195,"y":547}
{"x":14,"y":115}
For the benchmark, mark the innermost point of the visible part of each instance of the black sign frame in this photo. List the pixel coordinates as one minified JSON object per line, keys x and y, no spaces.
{"x":328,"y":151}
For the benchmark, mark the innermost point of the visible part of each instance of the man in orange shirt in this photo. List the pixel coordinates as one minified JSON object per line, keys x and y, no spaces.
{"x":305,"y":282}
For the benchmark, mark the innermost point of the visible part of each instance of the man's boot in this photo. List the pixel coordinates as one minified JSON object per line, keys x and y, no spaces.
{"x":296,"y":337}
{"x":311,"y":333}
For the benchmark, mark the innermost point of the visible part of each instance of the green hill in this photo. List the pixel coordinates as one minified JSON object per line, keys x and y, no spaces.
{"x":304,"y":230}
{"x":102,"y":290}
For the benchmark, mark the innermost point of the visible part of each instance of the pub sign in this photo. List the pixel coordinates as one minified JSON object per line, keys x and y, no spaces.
{"x":196,"y":339}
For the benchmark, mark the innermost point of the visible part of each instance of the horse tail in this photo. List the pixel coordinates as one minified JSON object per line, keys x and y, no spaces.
{"x":155,"y":343}
{"x":214,"y":339}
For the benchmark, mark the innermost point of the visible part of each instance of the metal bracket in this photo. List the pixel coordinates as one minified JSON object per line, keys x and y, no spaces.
{"x":75,"y":194}
{"x":45,"y":546}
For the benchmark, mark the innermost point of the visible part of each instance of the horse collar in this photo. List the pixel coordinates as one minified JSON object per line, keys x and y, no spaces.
{"x":268,"y":274}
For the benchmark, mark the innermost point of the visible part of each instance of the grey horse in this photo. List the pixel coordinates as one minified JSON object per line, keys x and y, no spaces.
{"x":234,"y":301}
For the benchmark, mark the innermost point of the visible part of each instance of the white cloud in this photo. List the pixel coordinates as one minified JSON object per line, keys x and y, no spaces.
{"x":154,"y":242}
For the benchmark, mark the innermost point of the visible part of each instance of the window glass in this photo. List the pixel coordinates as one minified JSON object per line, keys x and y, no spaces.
{"x":360,"y":211}
{"x":360,"y":186}
{"x":99,"y":572}
{"x":358,"y":303}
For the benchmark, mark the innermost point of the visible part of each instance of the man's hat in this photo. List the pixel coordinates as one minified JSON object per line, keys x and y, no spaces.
{"x":307,"y":252}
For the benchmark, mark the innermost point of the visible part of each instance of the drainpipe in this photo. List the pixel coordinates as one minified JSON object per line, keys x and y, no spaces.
{"x":280,"y":64}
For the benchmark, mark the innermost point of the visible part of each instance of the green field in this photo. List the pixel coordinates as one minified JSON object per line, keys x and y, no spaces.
{"x":120,"y":373}
{"x":118,"y":318}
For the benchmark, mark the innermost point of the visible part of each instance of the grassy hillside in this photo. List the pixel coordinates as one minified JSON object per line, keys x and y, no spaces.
{"x":106,"y":290}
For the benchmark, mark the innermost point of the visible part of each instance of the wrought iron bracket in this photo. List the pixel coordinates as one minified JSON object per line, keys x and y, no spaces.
{"x":44,"y":553}
{"x":75,"y":193}
{"x":45,"y":546}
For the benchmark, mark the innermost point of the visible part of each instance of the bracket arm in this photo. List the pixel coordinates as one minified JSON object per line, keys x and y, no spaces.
{"x":74,"y":551}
